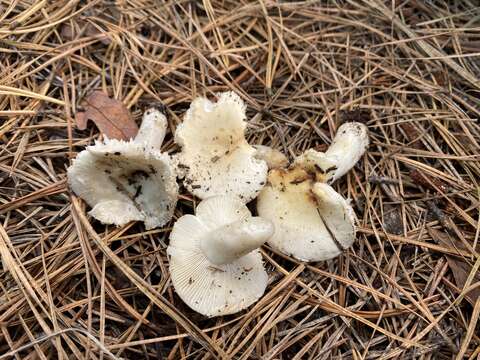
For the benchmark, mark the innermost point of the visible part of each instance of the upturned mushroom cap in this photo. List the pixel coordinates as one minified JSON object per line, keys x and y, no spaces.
{"x":348,"y":146}
{"x":215,"y":265}
{"x":312,"y":221}
{"x":131,"y":180}
{"x":216,"y":158}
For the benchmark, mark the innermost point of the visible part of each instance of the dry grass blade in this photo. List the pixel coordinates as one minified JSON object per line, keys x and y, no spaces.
{"x":72,"y":288}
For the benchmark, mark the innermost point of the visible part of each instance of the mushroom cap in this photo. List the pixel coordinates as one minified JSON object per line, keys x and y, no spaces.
{"x":210,"y":289}
{"x":216,"y":159}
{"x":123,"y":181}
{"x":312,"y":221}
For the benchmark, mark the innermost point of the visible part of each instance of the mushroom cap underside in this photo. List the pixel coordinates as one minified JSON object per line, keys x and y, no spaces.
{"x":209,"y":289}
{"x":309,"y":226}
{"x":122,"y":182}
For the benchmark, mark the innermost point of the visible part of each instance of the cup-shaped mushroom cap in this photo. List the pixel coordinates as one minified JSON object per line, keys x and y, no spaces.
{"x":348,"y":146}
{"x":236,"y":277}
{"x":312,"y":221}
{"x":122,"y":182}
{"x":216,"y":158}
{"x":126,"y":181}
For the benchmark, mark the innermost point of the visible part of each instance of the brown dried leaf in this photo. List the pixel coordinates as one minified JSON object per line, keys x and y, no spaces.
{"x":412,"y":134}
{"x":358,"y":115}
{"x":69,"y":32}
{"x":110,"y":115}
{"x":431,"y":183}
{"x":460,"y":268}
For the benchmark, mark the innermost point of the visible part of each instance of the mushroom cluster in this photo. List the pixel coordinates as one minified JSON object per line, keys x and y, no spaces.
{"x":215,"y":264}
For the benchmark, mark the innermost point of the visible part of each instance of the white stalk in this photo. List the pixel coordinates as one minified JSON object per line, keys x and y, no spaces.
{"x":153,"y":129}
{"x":274,"y":158}
{"x":232,"y":241}
{"x":347,"y":148}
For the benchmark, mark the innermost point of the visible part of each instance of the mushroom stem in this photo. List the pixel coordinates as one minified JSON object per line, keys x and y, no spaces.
{"x":153,"y":129}
{"x":274,"y":158}
{"x":232,"y":241}
{"x":347,"y":148}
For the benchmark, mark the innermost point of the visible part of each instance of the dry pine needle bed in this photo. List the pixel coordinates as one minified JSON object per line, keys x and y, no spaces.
{"x":72,"y":288}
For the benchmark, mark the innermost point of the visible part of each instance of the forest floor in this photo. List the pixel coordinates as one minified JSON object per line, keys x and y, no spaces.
{"x":408,"y":288}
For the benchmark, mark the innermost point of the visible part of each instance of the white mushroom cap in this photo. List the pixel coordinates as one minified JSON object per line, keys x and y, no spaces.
{"x":348,"y":146}
{"x":215,"y":265}
{"x":128,"y":180}
{"x":336,"y":213}
{"x":312,"y":221}
{"x":216,"y":158}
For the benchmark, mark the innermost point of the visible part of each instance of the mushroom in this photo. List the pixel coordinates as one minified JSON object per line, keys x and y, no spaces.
{"x":130,"y":180}
{"x":215,"y":265}
{"x":216,"y":159}
{"x":312,"y":221}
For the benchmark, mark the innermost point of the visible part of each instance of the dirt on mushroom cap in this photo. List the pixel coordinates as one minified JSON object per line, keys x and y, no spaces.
{"x":307,"y":227}
{"x":216,"y":159}
{"x":143,"y":181}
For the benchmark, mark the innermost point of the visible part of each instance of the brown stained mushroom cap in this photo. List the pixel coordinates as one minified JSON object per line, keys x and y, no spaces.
{"x":305,"y":223}
{"x":312,"y":221}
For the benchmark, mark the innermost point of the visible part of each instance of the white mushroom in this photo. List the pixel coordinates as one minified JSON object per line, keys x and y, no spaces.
{"x":215,"y":265}
{"x":348,"y":146}
{"x":216,"y":158}
{"x":312,"y":221}
{"x":131,"y":180}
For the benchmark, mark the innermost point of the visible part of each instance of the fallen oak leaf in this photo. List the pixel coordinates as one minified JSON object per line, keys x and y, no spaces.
{"x":110,"y":115}
{"x":460,"y":268}
{"x":357,"y":115}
